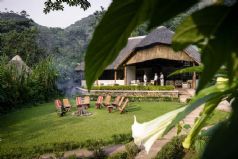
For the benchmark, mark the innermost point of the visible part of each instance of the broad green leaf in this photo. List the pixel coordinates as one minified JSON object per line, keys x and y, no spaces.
{"x":166,"y":10}
{"x":199,"y":27}
{"x":188,"y":70}
{"x":210,"y":28}
{"x":223,"y":142}
{"x":208,"y":109}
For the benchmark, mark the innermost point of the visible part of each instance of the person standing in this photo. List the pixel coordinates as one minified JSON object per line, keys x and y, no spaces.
{"x":156,"y":79}
{"x":145,"y":79}
{"x":161,"y":79}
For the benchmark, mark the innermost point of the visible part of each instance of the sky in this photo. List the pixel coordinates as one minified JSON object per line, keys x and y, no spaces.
{"x":60,"y":19}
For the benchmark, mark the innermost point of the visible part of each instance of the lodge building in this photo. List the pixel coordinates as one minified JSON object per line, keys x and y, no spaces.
{"x":148,"y":55}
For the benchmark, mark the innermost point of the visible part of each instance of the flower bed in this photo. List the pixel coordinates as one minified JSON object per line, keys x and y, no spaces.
{"x":150,"y":88}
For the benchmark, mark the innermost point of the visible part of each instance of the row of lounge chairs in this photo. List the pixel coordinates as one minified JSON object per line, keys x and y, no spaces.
{"x":119,"y":103}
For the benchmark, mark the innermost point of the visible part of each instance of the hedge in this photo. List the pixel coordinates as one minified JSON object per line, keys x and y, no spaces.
{"x":150,"y":88}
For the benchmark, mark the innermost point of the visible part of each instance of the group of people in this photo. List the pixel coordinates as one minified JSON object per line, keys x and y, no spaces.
{"x":156,"y":80}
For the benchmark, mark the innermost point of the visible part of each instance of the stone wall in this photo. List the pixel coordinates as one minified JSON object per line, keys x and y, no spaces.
{"x":131,"y":93}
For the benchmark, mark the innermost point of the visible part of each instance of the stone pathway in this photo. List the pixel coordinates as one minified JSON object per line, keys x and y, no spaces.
{"x":161,"y":142}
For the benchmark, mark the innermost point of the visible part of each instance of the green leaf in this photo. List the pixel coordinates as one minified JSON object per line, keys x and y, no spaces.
{"x":199,"y":27}
{"x":165,"y":10}
{"x":223,"y":142}
{"x":208,"y":109}
{"x":188,"y":70}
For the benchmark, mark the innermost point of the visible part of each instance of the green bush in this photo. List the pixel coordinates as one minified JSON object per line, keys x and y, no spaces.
{"x":121,"y":138}
{"x":119,"y":155}
{"x":20,"y":86}
{"x":131,"y":150}
{"x":173,"y":149}
{"x":148,"y":88}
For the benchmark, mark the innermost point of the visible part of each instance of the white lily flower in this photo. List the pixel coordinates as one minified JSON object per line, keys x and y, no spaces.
{"x":147,"y":133}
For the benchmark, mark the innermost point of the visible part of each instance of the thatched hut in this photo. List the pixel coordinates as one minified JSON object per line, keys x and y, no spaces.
{"x":155,"y":55}
{"x":149,"y":55}
{"x":17,"y":63}
{"x":114,"y":73}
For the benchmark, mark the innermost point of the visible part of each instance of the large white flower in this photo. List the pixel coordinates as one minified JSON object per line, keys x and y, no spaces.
{"x":147,"y":133}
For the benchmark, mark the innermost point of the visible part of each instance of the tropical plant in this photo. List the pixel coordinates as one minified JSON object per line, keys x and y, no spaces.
{"x":213,"y":29}
{"x":21,"y":86}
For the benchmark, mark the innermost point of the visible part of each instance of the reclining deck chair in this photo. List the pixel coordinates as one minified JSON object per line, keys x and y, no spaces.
{"x":107,"y":101}
{"x":60,"y":108}
{"x":86,"y":102}
{"x":58,"y":104}
{"x":122,"y":109}
{"x":110,"y":108}
{"x":78,"y":101}
{"x":116,"y":101}
{"x":67,"y":104}
{"x":99,"y":102}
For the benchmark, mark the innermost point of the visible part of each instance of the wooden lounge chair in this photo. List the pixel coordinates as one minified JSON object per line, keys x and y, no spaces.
{"x":60,"y":108}
{"x":116,"y":101}
{"x":78,"y":101}
{"x":120,"y":103}
{"x":66,"y":104}
{"x":122,"y":109}
{"x":107,"y":101}
{"x":86,"y":102}
{"x":99,"y":102}
{"x":58,"y":104}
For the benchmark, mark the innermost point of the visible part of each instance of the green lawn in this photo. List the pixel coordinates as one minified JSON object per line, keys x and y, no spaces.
{"x":40,"y":125}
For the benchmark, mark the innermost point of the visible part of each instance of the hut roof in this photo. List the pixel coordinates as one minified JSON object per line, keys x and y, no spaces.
{"x":125,"y":52}
{"x":162,"y":35}
{"x":19,"y":63}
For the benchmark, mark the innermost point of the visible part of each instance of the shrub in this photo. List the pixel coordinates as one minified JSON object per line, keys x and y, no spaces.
{"x":20,"y":86}
{"x":131,"y":150}
{"x":173,"y":149}
{"x":119,"y":155}
{"x":96,"y":147}
{"x":121,"y":138}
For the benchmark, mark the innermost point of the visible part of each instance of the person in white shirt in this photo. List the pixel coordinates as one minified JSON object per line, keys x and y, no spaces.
{"x":161,"y":79}
{"x":156,"y":79}
{"x":145,"y":79}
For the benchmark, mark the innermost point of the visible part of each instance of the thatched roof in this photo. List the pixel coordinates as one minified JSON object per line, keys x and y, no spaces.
{"x":162,"y":35}
{"x":17,"y":62}
{"x":125,"y":52}
{"x":159,"y":36}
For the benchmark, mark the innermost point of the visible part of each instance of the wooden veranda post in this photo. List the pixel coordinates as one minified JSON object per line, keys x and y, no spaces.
{"x":125,"y":76}
{"x":194,"y":78}
{"x":115,"y":76}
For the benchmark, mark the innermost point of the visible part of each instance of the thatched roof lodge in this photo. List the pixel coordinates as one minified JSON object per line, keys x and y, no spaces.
{"x":149,"y":55}
{"x":19,"y":64}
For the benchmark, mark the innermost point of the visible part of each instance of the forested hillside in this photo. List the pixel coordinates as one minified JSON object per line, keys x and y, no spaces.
{"x":21,"y":35}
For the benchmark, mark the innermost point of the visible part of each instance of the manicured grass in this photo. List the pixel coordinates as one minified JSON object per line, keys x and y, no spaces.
{"x":39,"y":125}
